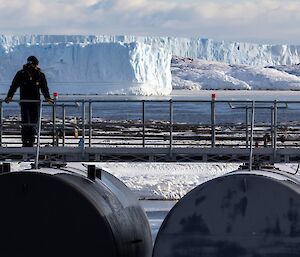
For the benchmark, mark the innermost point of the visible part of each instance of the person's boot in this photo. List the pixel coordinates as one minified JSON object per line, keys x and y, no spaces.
{"x":25,"y":144}
{"x":28,"y":143}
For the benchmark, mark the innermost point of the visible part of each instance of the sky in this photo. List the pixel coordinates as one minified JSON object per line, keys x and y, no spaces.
{"x":256,"y":21}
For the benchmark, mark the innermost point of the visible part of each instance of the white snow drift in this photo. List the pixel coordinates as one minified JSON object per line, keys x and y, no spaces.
{"x":158,"y":180}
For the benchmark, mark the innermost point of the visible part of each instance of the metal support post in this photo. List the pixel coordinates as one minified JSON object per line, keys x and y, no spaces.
{"x":90,"y":123}
{"x":247,"y":127}
{"x":251,"y":136}
{"x":1,"y":122}
{"x":275,"y":130}
{"x":54,"y":123}
{"x":171,"y":124}
{"x":63,"y":125}
{"x":144,"y":122}
{"x":83,"y":124}
{"x":272,"y":126}
{"x":38,"y":145}
{"x":213,"y":122}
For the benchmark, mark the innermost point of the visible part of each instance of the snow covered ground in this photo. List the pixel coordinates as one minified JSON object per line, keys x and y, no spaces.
{"x":291,"y":69}
{"x":171,"y":181}
{"x":196,"y":74}
{"x":164,"y":181}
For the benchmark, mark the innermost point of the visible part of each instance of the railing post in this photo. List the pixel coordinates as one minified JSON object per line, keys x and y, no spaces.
{"x":90,"y":123}
{"x":213,"y":120}
{"x":272,"y":126}
{"x":144,"y":122}
{"x":275,"y":131}
{"x":54,"y":123}
{"x":63,"y":125}
{"x":39,"y":136}
{"x":247,"y":127}
{"x":1,"y":121}
{"x":171,"y":124}
{"x":252,"y":136}
{"x":83,"y":124}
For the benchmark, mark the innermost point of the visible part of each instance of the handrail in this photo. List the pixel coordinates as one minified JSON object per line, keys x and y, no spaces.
{"x":163,"y":132}
{"x":251,"y":136}
{"x":38,"y":145}
{"x":166,"y":100}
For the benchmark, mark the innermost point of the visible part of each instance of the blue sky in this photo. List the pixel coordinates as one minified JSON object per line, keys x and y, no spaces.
{"x":258,"y":21}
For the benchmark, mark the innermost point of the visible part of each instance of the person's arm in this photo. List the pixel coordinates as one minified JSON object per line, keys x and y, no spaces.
{"x":44,"y":87}
{"x":13,"y":88}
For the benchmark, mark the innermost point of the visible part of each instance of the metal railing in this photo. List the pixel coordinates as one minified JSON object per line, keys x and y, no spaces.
{"x":159,"y":123}
{"x":156,"y":130}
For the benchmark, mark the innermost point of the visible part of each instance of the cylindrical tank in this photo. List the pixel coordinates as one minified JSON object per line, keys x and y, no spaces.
{"x":52,"y":212}
{"x":241,"y":214}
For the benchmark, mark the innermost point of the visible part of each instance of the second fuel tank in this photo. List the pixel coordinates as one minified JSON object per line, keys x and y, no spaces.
{"x":241,"y":214}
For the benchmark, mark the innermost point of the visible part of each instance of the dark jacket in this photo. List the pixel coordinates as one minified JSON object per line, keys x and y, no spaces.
{"x":31,"y":81}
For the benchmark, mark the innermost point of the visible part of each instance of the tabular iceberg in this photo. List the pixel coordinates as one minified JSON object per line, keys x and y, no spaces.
{"x":130,"y":68}
{"x":142,"y":65}
{"x":207,"y":49}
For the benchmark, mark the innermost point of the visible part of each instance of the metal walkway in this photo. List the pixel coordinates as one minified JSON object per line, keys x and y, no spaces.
{"x":124,"y":154}
{"x":157,"y":131}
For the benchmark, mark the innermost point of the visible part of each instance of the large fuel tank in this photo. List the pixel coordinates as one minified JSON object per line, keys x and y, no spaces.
{"x":60,"y":212}
{"x":241,"y":214}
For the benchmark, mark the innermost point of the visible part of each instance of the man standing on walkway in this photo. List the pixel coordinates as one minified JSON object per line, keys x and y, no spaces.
{"x":31,"y":80}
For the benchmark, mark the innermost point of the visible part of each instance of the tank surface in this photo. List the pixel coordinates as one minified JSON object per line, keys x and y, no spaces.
{"x":241,"y":214}
{"x":51,"y":212}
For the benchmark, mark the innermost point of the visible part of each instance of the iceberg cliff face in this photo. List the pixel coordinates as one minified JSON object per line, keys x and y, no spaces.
{"x":207,"y":49}
{"x":133,"y":68}
{"x":142,"y":65}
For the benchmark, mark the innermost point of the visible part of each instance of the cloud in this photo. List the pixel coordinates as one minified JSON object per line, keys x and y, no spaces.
{"x":250,"y":20}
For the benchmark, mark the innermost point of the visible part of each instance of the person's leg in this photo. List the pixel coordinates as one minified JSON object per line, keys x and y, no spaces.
{"x":33,"y":117}
{"x":25,"y":130}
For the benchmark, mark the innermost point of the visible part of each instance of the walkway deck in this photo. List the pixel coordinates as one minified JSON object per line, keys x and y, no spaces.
{"x":125,"y":154}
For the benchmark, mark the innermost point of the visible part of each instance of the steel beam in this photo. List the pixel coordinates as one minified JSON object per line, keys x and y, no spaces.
{"x":155,"y":154}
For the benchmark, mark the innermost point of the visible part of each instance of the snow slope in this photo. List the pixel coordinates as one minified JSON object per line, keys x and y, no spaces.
{"x":207,"y":49}
{"x":134,"y":68}
{"x":195,"y":74}
{"x":291,"y":69}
